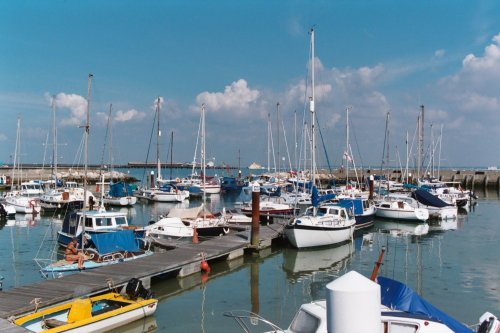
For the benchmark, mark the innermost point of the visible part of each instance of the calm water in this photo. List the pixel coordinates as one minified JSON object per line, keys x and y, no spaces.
{"x":455,"y":266}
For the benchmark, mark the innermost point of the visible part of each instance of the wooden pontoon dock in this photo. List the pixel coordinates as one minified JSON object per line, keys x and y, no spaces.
{"x":182,"y":261}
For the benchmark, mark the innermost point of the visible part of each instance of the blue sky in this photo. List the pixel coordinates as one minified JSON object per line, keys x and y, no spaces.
{"x":242,"y":57}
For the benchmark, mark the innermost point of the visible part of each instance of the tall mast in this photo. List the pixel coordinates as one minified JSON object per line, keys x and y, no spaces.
{"x":16,"y":151}
{"x":278,"y":138}
{"x":313,"y":118}
{"x":171,"y":152}
{"x":86,"y":147}
{"x":268,"y":142}
{"x":347,"y":148}
{"x":54,"y":140}
{"x":158,"y":135}
{"x":203,"y":154}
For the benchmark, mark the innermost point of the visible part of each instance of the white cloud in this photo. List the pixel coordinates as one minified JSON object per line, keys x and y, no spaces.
{"x":475,"y":87}
{"x":77,"y":106}
{"x":3,"y":137}
{"x":439,"y":53}
{"x":123,"y":116}
{"x":236,"y":98}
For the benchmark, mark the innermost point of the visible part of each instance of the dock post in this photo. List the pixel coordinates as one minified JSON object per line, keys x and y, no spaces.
{"x":370,"y":196}
{"x":254,"y":239}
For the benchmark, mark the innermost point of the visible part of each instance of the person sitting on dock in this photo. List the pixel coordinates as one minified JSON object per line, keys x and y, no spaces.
{"x":72,"y":253}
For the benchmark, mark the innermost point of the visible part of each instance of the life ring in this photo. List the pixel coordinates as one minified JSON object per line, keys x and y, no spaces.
{"x":177,"y":179}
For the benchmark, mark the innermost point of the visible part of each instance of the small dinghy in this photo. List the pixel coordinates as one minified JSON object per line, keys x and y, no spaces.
{"x":94,"y":314}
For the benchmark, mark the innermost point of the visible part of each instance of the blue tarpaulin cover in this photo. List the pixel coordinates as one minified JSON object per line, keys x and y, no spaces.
{"x":121,"y":189}
{"x":108,"y":242}
{"x":428,"y":199}
{"x":398,"y":296}
{"x":357,"y":203}
{"x":316,"y":198}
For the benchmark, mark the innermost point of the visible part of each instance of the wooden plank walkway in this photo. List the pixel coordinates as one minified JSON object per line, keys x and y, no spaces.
{"x":183,"y":261}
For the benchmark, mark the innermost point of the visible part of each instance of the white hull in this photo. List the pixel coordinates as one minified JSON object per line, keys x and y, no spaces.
{"x":121,"y":201}
{"x":209,"y":188}
{"x":24,"y":205}
{"x":160,"y":196}
{"x":312,"y":236}
{"x":408,"y":215}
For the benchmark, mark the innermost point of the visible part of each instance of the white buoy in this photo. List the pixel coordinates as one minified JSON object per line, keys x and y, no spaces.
{"x":353,"y":305}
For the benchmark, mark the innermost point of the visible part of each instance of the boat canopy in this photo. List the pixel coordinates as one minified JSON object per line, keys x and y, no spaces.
{"x":398,"y":296}
{"x":428,"y":199}
{"x":188,"y":213}
{"x":108,"y":242}
{"x":121,"y":189}
{"x":355,"y":203}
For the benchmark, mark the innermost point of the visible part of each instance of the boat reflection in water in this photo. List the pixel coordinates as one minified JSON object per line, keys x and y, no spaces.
{"x":145,"y":325}
{"x":444,"y":225}
{"x":401,"y":229}
{"x":309,"y":262}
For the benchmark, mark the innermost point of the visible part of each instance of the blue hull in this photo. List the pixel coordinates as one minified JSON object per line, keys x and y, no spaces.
{"x":364,"y":221}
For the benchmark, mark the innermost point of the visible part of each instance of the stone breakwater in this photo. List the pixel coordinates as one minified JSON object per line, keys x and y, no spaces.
{"x":470,"y":179}
{"x":67,"y":174}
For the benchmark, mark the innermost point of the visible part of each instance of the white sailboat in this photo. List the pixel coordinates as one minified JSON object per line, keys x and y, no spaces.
{"x":200,"y":183}
{"x":329,"y":225}
{"x":26,"y":199}
{"x":70,"y":196}
{"x":162,"y":192}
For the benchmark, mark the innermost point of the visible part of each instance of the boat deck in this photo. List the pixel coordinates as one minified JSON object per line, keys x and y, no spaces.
{"x":182,"y":261}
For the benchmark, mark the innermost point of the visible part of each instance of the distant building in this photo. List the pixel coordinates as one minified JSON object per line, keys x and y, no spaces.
{"x":255,"y":166}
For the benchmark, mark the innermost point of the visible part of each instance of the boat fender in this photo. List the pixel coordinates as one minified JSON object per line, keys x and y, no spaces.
{"x":226,"y":230}
{"x":177,"y":179}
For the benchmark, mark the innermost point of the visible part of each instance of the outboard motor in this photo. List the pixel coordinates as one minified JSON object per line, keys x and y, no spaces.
{"x":135,"y":289}
{"x":3,"y":213}
{"x":489,"y":323}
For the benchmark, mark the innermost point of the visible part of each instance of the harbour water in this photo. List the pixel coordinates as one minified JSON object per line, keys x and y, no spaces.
{"x":455,"y":266}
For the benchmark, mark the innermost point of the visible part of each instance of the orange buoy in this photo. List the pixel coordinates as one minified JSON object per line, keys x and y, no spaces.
{"x":204,"y":266}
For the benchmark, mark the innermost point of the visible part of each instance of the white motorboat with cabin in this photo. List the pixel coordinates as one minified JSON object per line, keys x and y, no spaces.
{"x":327,"y":224}
{"x":400,"y":208}
{"x":355,"y":303}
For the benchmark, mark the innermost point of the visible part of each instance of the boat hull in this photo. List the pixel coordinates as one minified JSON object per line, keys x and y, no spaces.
{"x":97,"y":321}
{"x":407,"y":215}
{"x":302,"y":236}
{"x":120,"y":201}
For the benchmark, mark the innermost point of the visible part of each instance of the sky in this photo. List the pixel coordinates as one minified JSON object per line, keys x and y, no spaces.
{"x":240,"y":59}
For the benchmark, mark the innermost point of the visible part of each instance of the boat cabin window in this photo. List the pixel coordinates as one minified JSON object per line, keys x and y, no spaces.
{"x":342,"y":213}
{"x":88,"y":222}
{"x":399,"y":327}
{"x":385,"y":206}
{"x":304,"y":323}
{"x":321,"y":211}
{"x":401,"y":205}
{"x":121,"y":221}
{"x":103,"y":222}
